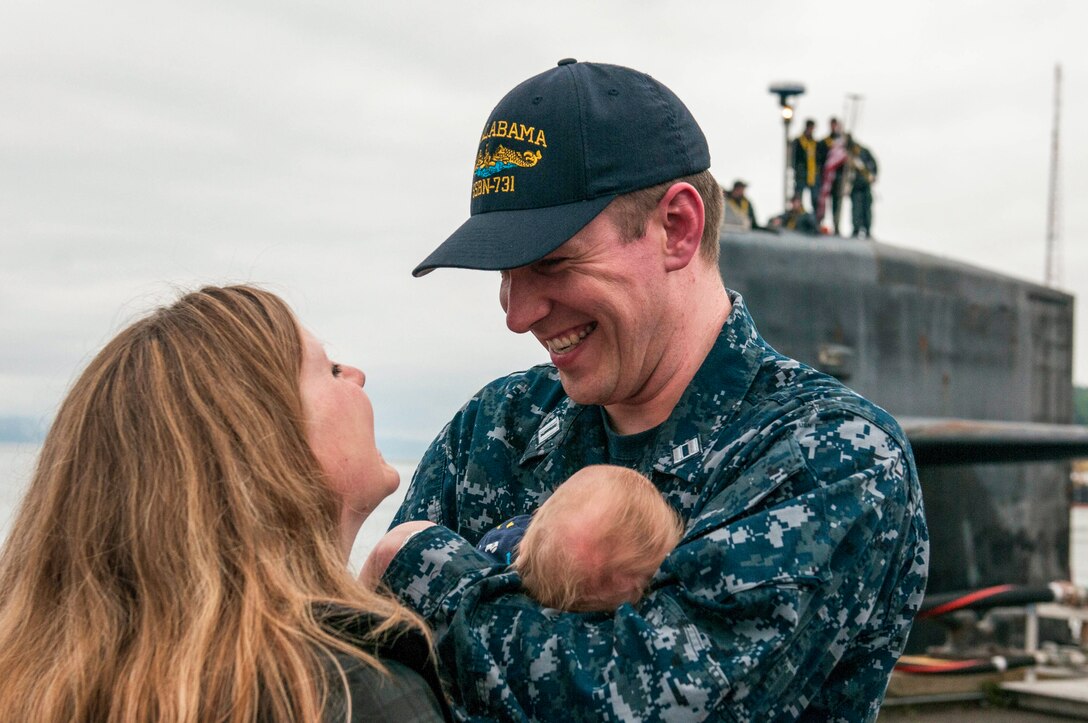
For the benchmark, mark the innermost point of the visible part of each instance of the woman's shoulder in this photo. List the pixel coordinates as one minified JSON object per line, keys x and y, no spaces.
{"x":409,"y":691}
{"x":401,"y":694}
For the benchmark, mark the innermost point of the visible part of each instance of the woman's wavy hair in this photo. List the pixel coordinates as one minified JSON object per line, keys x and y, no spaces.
{"x":178,"y":540}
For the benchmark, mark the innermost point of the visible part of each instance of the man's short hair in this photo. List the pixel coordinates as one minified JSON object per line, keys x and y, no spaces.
{"x":634,"y":208}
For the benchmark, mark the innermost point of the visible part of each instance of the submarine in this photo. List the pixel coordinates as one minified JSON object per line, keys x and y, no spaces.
{"x":977,"y":367}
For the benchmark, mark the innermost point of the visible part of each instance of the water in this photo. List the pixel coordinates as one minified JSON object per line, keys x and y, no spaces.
{"x":16,"y":465}
{"x":17,"y":462}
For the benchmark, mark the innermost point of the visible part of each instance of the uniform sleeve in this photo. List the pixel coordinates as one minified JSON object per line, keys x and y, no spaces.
{"x":792,"y":591}
{"x":426,"y":496}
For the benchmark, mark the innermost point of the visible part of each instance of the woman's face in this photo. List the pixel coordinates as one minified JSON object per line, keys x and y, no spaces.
{"x":340,"y":431}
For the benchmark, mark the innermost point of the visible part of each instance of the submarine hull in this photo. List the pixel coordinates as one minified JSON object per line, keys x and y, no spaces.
{"x":929,"y":337}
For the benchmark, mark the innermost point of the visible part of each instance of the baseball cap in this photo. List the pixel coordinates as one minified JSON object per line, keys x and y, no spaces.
{"x":501,"y":542}
{"x":558,"y":149}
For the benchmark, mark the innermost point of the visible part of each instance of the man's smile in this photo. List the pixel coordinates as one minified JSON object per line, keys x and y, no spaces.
{"x":565,"y":343}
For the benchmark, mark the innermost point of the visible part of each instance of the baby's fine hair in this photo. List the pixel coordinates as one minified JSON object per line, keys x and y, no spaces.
{"x":631,"y":524}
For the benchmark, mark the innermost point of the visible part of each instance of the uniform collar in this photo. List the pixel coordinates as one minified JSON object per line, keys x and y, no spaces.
{"x":713,"y":397}
{"x":555,"y":428}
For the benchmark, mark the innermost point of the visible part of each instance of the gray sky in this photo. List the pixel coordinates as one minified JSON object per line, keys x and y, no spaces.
{"x":324,"y":148}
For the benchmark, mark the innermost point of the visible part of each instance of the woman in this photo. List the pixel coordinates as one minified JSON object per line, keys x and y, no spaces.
{"x":180,"y":554}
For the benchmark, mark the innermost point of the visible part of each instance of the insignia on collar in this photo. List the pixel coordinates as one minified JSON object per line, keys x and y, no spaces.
{"x":547,"y":430}
{"x":689,"y":448}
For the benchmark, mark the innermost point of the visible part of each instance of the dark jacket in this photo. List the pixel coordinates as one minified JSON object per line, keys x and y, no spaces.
{"x":800,"y":221}
{"x":865,"y":167}
{"x":410,"y":693}
{"x":806,"y":164}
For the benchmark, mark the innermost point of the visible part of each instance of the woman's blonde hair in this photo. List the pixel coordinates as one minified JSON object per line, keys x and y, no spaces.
{"x":178,"y":541}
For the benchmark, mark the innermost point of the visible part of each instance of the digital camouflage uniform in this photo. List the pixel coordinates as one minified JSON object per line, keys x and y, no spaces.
{"x":790,"y":596}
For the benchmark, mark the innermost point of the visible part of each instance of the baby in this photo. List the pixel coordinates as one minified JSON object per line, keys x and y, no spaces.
{"x":594,"y":544}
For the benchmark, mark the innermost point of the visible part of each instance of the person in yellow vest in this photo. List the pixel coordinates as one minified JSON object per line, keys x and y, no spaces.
{"x":803,"y":158}
{"x":795,"y":218}
{"x":739,"y":214}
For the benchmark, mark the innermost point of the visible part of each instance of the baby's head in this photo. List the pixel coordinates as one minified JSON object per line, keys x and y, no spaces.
{"x":597,"y":541}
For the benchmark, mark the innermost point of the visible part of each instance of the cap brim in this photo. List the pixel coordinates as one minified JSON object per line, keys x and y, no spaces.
{"x":508,"y":239}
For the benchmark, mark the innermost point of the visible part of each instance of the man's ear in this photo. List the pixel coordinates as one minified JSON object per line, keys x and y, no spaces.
{"x":682,"y":216}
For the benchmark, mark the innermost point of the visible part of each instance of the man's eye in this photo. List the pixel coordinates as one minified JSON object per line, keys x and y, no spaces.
{"x":337,"y":370}
{"x":547,"y":265}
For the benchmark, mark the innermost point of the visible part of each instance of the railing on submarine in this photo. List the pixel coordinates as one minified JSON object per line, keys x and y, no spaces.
{"x":945,"y":441}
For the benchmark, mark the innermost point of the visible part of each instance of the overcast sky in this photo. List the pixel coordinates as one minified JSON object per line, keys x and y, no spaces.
{"x":324,"y":148}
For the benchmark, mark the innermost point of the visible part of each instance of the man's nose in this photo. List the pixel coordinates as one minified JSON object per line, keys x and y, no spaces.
{"x":523,"y":296}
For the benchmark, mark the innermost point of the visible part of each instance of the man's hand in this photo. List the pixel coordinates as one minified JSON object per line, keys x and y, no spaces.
{"x":386,"y":549}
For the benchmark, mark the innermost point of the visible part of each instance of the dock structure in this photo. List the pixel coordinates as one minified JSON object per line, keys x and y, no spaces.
{"x":1066,"y":698}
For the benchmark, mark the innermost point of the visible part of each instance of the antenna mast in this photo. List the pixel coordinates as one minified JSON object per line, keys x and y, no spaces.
{"x":851,"y":111}
{"x":1053,"y":210}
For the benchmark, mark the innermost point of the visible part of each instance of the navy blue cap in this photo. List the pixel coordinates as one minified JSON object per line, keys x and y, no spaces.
{"x":501,"y":542}
{"x":557,"y":150}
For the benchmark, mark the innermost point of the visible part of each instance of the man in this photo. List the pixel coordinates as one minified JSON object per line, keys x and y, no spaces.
{"x":863,"y":176}
{"x":739,"y":213}
{"x":804,"y":554}
{"x":830,"y":174}
{"x":803,"y":152}
{"x":795,"y":218}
